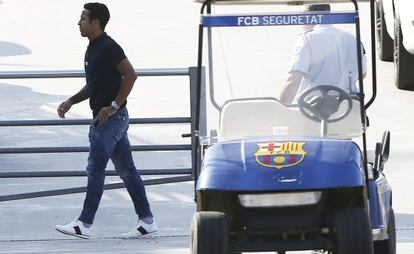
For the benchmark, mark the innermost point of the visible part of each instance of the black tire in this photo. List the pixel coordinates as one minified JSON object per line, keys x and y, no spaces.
{"x":209,"y":233}
{"x":352,"y":232}
{"x":387,"y":246}
{"x":385,"y":44}
{"x":403,"y":61}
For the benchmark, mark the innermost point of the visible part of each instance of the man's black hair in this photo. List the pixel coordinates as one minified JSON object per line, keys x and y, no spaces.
{"x":98,"y":11}
{"x":318,"y":7}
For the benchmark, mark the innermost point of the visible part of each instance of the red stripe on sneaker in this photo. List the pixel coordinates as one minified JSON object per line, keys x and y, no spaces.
{"x":142,"y":230}
{"x":77,"y":230}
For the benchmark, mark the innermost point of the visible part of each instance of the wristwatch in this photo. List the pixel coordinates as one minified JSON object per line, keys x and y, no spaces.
{"x":114,"y":105}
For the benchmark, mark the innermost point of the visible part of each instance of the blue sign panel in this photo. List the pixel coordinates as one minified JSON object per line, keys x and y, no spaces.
{"x":279,"y":19}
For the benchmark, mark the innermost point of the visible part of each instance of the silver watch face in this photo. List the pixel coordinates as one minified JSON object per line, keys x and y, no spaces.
{"x":114,"y":105}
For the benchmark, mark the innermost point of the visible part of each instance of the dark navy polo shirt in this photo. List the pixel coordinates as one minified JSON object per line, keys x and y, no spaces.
{"x":102,"y":77}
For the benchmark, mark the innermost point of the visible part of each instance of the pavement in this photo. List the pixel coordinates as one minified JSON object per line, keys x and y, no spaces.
{"x":154,"y":34}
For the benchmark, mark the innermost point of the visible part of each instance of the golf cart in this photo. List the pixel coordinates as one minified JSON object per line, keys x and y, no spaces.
{"x":277,"y":177}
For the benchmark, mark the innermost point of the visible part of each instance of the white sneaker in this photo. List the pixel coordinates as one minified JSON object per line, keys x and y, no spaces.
{"x":141,"y":229}
{"x":75,"y":228}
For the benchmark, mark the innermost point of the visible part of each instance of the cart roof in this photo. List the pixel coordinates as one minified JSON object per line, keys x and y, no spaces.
{"x":290,"y":2}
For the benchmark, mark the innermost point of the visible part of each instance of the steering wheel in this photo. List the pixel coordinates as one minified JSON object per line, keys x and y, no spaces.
{"x":321,"y":102}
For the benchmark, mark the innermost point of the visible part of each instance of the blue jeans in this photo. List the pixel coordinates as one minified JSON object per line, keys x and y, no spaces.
{"x":110,"y":141}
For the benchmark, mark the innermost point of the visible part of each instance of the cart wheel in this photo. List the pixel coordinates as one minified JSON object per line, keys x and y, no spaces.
{"x":352,"y":232}
{"x":387,"y":246}
{"x":209,"y":233}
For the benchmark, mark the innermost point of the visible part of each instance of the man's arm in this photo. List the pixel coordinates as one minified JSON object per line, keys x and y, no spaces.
{"x":300,"y":65}
{"x":128,"y":80}
{"x":292,"y":84}
{"x":364,"y":63}
{"x":64,"y":107}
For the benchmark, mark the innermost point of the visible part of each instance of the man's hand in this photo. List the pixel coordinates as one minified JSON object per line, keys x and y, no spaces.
{"x":105,"y":113}
{"x":63,"y":108}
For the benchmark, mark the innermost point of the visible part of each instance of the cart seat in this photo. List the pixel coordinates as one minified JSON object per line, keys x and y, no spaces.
{"x":255,"y":117}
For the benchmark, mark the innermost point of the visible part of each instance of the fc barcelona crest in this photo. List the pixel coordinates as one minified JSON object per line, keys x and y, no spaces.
{"x":280,"y":154}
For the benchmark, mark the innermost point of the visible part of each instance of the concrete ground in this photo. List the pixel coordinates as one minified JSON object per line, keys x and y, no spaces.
{"x":154,"y":34}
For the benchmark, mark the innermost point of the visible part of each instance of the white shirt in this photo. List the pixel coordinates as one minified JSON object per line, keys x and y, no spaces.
{"x":327,"y":56}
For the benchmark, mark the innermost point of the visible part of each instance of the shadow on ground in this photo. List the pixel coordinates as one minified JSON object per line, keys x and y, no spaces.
{"x":25,"y":103}
{"x":13,"y":49}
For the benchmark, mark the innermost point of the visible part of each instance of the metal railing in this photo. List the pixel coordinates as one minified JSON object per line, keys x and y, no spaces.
{"x":185,"y":174}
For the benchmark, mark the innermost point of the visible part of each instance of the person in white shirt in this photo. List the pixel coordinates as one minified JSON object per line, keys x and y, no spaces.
{"x":324,"y":55}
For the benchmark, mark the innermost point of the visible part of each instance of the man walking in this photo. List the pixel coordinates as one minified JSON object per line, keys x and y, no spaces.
{"x":109,"y":80}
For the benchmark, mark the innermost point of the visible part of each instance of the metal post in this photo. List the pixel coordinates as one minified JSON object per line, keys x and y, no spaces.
{"x":362,"y":96}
